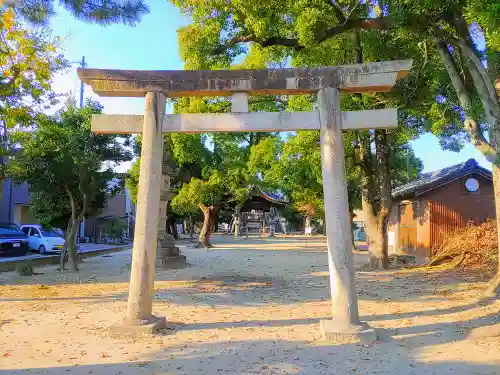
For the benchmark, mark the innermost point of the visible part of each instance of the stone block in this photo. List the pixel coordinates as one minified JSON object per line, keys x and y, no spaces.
{"x":149,"y":327}
{"x":333,"y":332}
{"x":169,"y":170}
{"x":166,"y":195}
{"x":167,"y":242}
{"x":178,"y":261}
{"x":169,"y":251}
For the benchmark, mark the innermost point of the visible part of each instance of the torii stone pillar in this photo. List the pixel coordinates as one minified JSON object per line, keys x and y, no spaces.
{"x":326,"y":82}
{"x":345,"y":322}
{"x":141,"y":287}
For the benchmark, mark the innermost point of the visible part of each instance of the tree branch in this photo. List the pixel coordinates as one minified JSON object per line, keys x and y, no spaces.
{"x":471,"y":55}
{"x":362,"y":23}
{"x":350,"y":24}
{"x":470,"y":124}
{"x":466,"y":45}
{"x":338,"y":12}
{"x":71,"y":201}
{"x":379,"y":23}
{"x":246,"y":38}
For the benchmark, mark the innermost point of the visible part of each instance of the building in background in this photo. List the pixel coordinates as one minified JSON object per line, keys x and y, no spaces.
{"x":15,"y":202}
{"x":437,"y":204}
{"x":14,"y":205}
{"x":119,"y":212}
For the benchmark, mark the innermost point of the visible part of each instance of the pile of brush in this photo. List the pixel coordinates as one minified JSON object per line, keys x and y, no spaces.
{"x":472,"y":247}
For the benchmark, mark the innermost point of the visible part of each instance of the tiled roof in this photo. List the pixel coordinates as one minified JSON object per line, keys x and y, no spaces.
{"x":431,"y":180}
{"x":275,"y":196}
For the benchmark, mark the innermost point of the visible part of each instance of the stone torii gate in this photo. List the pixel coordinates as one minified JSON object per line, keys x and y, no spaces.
{"x":327,"y":82}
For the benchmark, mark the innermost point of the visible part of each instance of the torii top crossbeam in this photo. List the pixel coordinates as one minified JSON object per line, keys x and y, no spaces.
{"x":379,"y":76}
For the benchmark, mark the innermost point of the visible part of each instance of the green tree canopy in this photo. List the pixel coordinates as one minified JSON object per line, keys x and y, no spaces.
{"x":101,"y":12}
{"x":63,"y":163}
{"x":29,"y":59}
{"x":315,"y":33}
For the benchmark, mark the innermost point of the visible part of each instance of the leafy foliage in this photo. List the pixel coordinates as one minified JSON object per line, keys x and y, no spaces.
{"x":318,"y":32}
{"x":132,"y":179}
{"x":62,"y":161}
{"x":28,"y":61}
{"x":102,"y":12}
{"x":114,"y":228}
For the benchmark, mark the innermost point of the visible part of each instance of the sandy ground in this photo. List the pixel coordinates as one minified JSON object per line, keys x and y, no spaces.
{"x":247,"y":308}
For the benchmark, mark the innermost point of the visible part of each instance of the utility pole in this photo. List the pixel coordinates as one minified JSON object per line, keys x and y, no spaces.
{"x":3,"y":160}
{"x":408,"y":165}
{"x":82,"y":65}
{"x":81,"y":231}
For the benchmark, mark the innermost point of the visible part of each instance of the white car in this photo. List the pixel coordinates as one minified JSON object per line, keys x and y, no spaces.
{"x":43,"y":240}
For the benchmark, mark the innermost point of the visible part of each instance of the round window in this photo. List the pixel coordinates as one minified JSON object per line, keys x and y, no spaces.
{"x":472,"y":185}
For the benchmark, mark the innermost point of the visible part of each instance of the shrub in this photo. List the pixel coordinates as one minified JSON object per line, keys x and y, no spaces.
{"x":25,"y":268}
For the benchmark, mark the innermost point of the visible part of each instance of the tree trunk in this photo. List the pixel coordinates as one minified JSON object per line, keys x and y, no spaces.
{"x":495,"y":282}
{"x":486,"y":92}
{"x":70,"y":244}
{"x":375,"y":182}
{"x":384,"y":189}
{"x":470,"y":124}
{"x":214,"y":219}
{"x":72,"y":229}
{"x":379,"y":257}
{"x":191,"y":227}
{"x":172,"y":228}
{"x":62,"y":259}
{"x":488,"y":95}
{"x":204,"y":239}
{"x":375,"y":236}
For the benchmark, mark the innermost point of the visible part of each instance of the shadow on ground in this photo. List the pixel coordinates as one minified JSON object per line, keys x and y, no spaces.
{"x":215,"y":280}
{"x":275,"y":357}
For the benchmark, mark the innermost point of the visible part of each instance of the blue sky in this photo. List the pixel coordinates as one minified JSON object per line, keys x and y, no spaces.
{"x":152,"y":44}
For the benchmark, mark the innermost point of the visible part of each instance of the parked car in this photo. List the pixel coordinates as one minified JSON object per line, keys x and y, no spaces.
{"x":13,"y":242}
{"x":42,"y":239}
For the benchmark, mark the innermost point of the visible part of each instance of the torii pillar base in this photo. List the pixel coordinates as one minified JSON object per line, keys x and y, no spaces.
{"x":150,"y":326}
{"x":358,"y":333}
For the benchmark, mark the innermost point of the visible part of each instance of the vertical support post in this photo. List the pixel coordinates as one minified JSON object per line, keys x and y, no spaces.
{"x":239,"y":102}
{"x":146,"y":227}
{"x":345,"y":322}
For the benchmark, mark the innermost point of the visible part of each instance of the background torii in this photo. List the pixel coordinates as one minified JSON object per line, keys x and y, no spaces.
{"x":326,"y":82}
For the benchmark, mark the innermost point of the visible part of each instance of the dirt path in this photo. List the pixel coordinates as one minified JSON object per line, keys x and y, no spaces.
{"x":247,"y":308}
